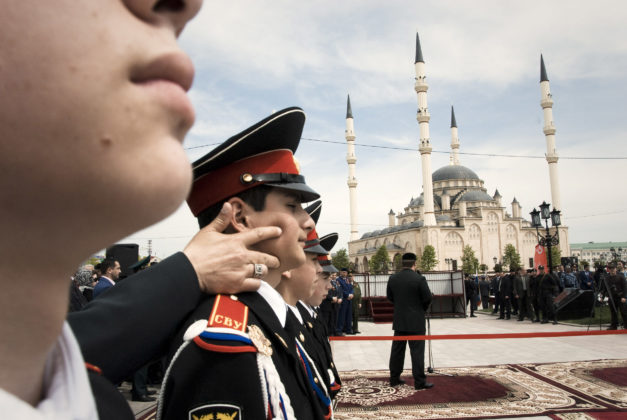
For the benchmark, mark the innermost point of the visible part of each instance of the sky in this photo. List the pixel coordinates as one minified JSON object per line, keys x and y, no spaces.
{"x":482,"y":57}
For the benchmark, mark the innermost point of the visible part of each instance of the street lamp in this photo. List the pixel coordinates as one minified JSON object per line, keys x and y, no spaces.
{"x":616,"y":255}
{"x":547,"y":240}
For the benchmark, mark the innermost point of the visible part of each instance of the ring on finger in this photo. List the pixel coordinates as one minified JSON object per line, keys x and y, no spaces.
{"x":258,"y":271}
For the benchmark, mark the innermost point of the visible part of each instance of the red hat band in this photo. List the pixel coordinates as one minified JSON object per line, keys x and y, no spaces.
{"x":237,"y":177}
{"x":312,"y":239}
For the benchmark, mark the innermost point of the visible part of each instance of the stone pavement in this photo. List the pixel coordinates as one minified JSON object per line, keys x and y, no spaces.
{"x":350,"y":355}
{"x":355,"y":355}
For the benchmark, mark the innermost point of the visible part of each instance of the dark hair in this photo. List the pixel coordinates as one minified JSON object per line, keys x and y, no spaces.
{"x":254,"y":197}
{"x":408,"y":263}
{"x":106,"y":264}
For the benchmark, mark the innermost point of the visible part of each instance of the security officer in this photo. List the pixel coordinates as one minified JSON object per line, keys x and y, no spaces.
{"x":618,"y":291}
{"x":548,"y":288}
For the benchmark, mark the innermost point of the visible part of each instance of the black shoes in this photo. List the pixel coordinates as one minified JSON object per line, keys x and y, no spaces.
{"x":500,"y":317}
{"x":426,"y":385}
{"x":143,"y":398}
{"x":612,"y":328}
{"x":473,"y":316}
{"x":396,"y":381}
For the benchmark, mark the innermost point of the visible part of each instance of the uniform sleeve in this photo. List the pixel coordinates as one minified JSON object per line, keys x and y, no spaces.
{"x":132,"y":323}
{"x":205,"y":383}
{"x":425,"y":293}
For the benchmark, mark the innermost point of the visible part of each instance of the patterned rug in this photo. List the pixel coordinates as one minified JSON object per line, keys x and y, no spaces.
{"x":570,"y":389}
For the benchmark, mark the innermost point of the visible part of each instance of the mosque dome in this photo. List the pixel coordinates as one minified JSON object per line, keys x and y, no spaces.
{"x":454,"y":172}
{"x":475,"y":195}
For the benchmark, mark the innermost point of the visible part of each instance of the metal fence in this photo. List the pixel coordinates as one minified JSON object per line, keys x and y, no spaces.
{"x":447,"y":287}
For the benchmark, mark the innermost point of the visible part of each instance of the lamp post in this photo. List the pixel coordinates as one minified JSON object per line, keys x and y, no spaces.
{"x":547,"y":240}
{"x":616,"y":254}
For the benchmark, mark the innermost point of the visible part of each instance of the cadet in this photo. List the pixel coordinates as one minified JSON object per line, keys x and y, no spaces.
{"x":316,"y":326}
{"x":233,"y":357}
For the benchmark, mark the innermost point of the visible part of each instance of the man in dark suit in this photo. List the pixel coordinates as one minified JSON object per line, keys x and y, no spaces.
{"x":410,"y":294}
{"x":110,"y":274}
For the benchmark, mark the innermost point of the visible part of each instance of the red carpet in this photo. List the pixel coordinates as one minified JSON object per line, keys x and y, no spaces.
{"x":569,"y":391}
{"x":616,"y":376}
{"x":589,"y":390}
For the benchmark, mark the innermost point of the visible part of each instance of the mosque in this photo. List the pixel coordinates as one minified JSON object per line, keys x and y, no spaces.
{"x":454,"y":209}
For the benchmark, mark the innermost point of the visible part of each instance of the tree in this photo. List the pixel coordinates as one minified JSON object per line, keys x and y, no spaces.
{"x":379,"y":262}
{"x":498,"y":267}
{"x":470,"y":263}
{"x":93,"y":261}
{"x":483,"y":267}
{"x":340,"y":259}
{"x":511,"y":257}
{"x":397,"y":262}
{"x":428,"y":260}
{"x":556,"y":256}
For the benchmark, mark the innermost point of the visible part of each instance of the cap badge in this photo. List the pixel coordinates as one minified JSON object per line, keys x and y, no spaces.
{"x":246,"y":178}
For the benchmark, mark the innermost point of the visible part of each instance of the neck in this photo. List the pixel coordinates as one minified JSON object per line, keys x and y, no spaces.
{"x":273,"y":278}
{"x":33,"y":320}
{"x":287,"y":294}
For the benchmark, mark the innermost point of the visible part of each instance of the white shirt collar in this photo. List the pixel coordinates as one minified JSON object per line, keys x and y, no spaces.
{"x":296,"y":312}
{"x":67,"y":393}
{"x":309,"y":309}
{"x":275,"y":300}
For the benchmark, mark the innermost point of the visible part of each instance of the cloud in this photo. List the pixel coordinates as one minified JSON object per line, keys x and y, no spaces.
{"x":483,"y":57}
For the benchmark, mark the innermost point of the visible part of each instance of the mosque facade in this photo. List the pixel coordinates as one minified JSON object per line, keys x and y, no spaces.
{"x":454,"y":209}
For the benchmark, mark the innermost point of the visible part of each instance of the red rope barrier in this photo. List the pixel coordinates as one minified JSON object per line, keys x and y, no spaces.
{"x":478,"y":336}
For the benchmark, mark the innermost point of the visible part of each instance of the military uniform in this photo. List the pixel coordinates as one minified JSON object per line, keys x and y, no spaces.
{"x":136,"y":332}
{"x":548,"y":288}
{"x":317,"y":330}
{"x":242,"y":362}
{"x":618,"y":291}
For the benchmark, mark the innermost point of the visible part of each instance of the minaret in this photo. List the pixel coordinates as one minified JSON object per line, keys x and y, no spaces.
{"x":425,"y":143}
{"x":454,"y":140}
{"x":351,"y":160}
{"x":549,"y":132}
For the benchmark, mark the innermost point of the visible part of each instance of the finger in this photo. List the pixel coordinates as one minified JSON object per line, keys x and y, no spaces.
{"x":250,"y":285}
{"x":261,"y":258}
{"x":259,"y":234}
{"x":263,"y":272}
{"x":222,"y":220}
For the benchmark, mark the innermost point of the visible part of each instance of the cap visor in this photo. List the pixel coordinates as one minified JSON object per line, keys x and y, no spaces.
{"x":303,"y":191}
{"x":329,"y":268}
{"x":316,"y":249}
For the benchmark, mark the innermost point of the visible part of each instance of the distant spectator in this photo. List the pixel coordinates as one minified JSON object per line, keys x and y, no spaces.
{"x":356,"y":303}
{"x":484,"y":291}
{"x":471,"y":294}
{"x":110,"y":269}
{"x":586,"y":278}
{"x":570,"y":281}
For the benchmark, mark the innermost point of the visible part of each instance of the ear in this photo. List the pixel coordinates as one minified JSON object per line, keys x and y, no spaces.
{"x":239,"y":216}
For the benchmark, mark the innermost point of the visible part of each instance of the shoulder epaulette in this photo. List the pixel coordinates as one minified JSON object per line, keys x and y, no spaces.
{"x":225,"y":331}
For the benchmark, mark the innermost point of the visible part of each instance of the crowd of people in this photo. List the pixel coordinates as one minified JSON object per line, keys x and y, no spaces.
{"x":531,"y":293}
{"x":342,"y":305}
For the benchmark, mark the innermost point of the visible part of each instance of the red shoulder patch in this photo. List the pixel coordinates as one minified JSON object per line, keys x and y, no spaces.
{"x":228,"y":312}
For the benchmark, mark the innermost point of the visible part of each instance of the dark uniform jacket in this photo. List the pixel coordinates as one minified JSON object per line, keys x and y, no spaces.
{"x":317,"y":330}
{"x":507,"y":286}
{"x":218,"y":372}
{"x":617,"y":285}
{"x":131,"y":325}
{"x":411,"y":296}
{"x":547,"y":285}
